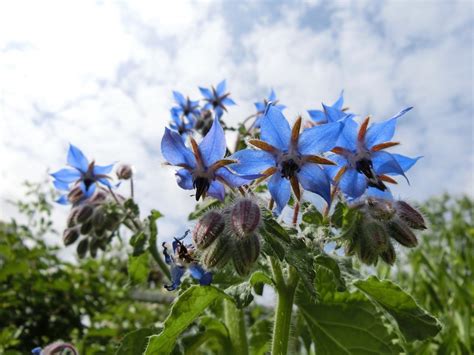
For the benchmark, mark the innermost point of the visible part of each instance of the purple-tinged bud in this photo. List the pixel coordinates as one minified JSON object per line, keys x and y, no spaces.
{"x":85,"y":213}
{"x":71,"y":218}
{"x":98,"y":218}
{"x":380,"y":209}
{"x":94,"y":246}
{"x":75,"y":195}
{"x":70,"y":235}
{"x":246,"y":253}
{"x":124,"y":172}
{"x":400,"y":231}
{"x":86,"y":228}
{"x":112,"y":221}
{"x":82,"y":248}
{"x":389,"y":255}
{"x":410,"y":215}
{"x":245,"y":218}
{"x":99,"y":197}
{"x":218,"y":253}
{"x":376,"y":235}
{"x":207,"y":229}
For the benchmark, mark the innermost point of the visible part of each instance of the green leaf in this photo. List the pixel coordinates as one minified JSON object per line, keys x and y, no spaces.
{"x":337,"y":217}
{"x":258,"y":279}
{"x":414,"y":322}
{"x":241,"y":293}
{"x":260,"y":337}
{"x":138,"y":268}
{"x":132,"y":207}
{"x":328,"y":275}
{"x":313,"y":216}
{"x":135,"y":342}
{"x":347,"y":323}
{"x":185,"y":310}
{"x":203,"y":207}
{"x":138,"y":241}
{"x":300,"y":257}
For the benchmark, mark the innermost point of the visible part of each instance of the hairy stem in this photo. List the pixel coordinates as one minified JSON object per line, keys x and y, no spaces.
{"x":235,"y":322}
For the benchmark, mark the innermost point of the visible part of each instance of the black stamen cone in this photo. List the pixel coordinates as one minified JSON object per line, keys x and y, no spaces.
{"x":364,"y":166}
{"x":289,"y":168}
{"x":201,"y":185}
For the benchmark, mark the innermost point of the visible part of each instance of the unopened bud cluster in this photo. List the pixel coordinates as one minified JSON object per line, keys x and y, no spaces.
{"x":378,"y":224}
{"x":94,"y":221}
{"x":230,"y":234}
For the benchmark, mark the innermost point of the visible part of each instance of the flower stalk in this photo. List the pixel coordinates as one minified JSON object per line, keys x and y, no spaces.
{"x":235,"y":323}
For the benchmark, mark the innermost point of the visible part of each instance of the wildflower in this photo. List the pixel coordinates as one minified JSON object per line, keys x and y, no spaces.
{"x":332,"y":113}
{"x":288,"y":157}
{"x":260,"y":106}
{"x":186,"y":107}
{"x":361,"y":159}
{"x":203,"y":167}
{"x":181,"y":260}
{"x":84,"y":176}
{"x":217,"y":98}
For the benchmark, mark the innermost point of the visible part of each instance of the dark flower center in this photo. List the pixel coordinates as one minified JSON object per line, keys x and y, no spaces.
{"x":201,"y":184}
{"x":88,"y":182}
{"x":289,"y":168}
{"x":216,"y":102}
{"x":365,"y":166}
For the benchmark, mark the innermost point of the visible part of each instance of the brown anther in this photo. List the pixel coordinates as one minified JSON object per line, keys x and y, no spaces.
{"x":385,"y":145}
{"x":363,"y":129}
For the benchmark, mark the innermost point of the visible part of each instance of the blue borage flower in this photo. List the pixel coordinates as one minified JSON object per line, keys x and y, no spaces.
{"x":261,"y":106}
{"x":361,"y":161}
{"x":203,"y":167}
{"x":216,"y":98}
{"x":184,"y":125}
{"x":288,"y":157}
{"x":182,"y":260}
{"x":332,"y":113}
{"x":83,"y":173}
{"x":186,"y":107}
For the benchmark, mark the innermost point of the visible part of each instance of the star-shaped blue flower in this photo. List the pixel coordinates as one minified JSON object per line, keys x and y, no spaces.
{"x":361,"y":159}
{"x":203,"y":167}
{"x":182,"y":260}
{"x":82,"y":173}
{"x":332,"y":113}
{"x":184,"y":125}
{"x":288,"y":157}
{"x":261,"y":106}
{"x":216,"y":98}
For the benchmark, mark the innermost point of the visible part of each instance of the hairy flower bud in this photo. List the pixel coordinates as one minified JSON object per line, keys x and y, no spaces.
{"x":410,"y":215}
{"x":389,"y":255}
{"x":400,"y":231}
{"x":218,"y":253}
{"x":380,"y":209}
{"x":98,"y":218}
{"x":376,"y":234}
{"x":99,"y":197}
{"x":75,"y":195}
{"x":71,"y":218}
{"x":208,"y":228}
{"x":84,"y":213}
{"x":94,"y":246}
{"x":86,"y":228}
{"x":245,"y":218}
{"x":246,"y":253}
{"x":112,"y":221}
{"x":124,"y":172}
{"x":70,"y":235}
{"x":82,"y":248}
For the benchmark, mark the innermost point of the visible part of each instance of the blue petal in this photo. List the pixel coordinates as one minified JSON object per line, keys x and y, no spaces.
{"x":216,"y":190}
{"x":90,"y":191}
{"x":234,"y":180}
{"x":280,"y":190}
{"x":67,"y":175}
{"x":374,"y":192}
{"x":348,"y":137}
{"x":333,"y":114}
{"x":218,"y":111}
{"x":220,"y":89}
{"x":177,"y":273}
{"x":260,"y":106}
{"x":228,"y":101}
{"x":206,"y":93}
{"x":383,"y":131}
{"x":179,"y":98}
{"x":319,"y":139}
{"x":272,"y":97}
{"x":206,"y":279}
{"x":184,"y":179}
{"x":63,"y":200}
{"x":332,"y":170}
{"x":352,"y":183}
{"x":275,"y":129}
{"x":174,"y":150}
{"x":405,"y":162}
{"x":252,"y":161}
{"x":105,"y":182}
{"x":207,"y":106}
{"x":175,"y":115}
{"x":61,"y":185}
{"x":213,"y":145}
{"x":77,"y":159}
{"x":340,"y":101}
{"x":385,"y":163}
{"x":314,"y":179}
{"x":198,"y":273}
{"x":103,"y":169}
{"x":317,"y":115}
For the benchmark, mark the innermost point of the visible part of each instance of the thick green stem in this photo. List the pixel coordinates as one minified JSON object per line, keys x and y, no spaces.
{"x":284,"y":309}
{"x":235,"y":322}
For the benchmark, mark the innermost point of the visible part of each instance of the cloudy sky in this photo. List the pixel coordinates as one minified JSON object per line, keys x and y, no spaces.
{"x":100,"y":75}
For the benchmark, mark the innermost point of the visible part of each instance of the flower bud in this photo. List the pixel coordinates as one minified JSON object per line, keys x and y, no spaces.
{"x":246,"y":253}
{"x":71,"y":218}
{"x":380,"y":209}
{"x":99,"y":197}
{"x":245,"y":218}
{"x":410,"y":215}
{"x":98,"y":218}
{"x":112,"y":221}
{"x":124,"y":172}
{"x":208,"y":228}
{"x":377,"y":235}
{"x":402,"y":233}
{"x":218,"y":253}
{"x":94,"y":246}
{"x":75,"y":195}
{"x":70,"y":235}
{"x":389,"y":255}
{"x":86,"y":228}
{"x":82,"y":248}
{"x":84,"y":213}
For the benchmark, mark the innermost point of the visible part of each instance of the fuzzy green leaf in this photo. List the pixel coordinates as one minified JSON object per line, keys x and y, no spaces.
{"x":135,"y":342}
{"x":138,"y":268}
